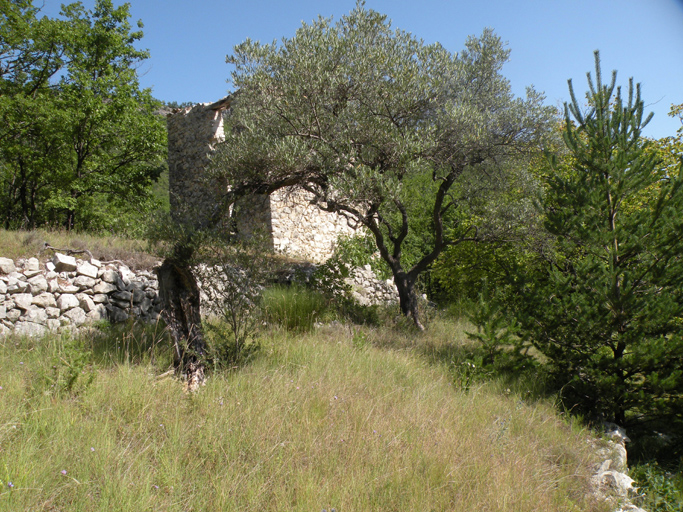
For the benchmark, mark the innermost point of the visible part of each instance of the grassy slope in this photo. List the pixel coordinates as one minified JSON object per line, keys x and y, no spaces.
{"x":27,"y":244}
{"x":316,"y":421}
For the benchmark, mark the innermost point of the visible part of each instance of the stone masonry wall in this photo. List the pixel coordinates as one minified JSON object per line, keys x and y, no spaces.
{"x":292,"y":225}
{"x":193,"y":133}
{"x":67,"y":293}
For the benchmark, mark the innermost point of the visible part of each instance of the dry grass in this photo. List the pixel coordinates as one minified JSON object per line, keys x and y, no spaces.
{"x":318,"y":421}
{"x":27,"y":244}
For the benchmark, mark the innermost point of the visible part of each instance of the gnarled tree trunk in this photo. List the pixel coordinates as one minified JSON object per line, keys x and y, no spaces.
{"x":180,"y":298}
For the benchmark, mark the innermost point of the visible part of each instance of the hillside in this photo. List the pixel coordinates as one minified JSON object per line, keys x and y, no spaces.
{"x":316,"y":421}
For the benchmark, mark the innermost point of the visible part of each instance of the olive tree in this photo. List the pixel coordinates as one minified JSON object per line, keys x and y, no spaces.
{"x":353,"y":112}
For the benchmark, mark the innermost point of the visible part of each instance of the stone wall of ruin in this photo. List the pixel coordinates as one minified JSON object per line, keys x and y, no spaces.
{"x":289,"y":222}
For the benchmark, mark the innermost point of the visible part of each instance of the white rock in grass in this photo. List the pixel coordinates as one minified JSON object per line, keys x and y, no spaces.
{"x":7,"y":266}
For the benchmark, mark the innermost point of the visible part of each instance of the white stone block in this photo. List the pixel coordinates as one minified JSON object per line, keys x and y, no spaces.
{"x":38,"y":284}
{"x":22,"y":300}
{"x":44,"y":300}
{"x":33,"y":264}
{"x":64,"y":263}
{"x":76,"y":315}
{"x":67,"y":301}
{"x":88,"y":270}
{"x":7,"y":266}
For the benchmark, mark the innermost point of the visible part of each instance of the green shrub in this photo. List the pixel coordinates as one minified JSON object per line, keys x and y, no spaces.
{"x":661,"y":490}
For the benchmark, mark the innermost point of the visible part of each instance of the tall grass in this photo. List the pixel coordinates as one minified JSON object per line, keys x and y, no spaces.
{"x":317,"y":421}
{"x":27,"y":244}
{"x":293,"y":307}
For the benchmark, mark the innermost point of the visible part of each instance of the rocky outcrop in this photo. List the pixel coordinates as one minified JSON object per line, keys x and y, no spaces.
{"x":67,"y":293}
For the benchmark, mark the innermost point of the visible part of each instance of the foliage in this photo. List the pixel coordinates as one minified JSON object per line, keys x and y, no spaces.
{"x":606,"y":307}
{"x":659,"y":490}
{"x":79,"y":138}
{"x":496,"y":334}
{"x":403,"y":138}
{"x":232,"y":277}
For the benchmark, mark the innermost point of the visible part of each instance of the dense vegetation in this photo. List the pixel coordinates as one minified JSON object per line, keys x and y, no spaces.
{"x":559,"y":240}
{"x":80,"y":144}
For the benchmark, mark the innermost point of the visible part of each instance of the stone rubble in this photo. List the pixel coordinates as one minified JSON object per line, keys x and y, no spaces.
{"x":611,"y":481}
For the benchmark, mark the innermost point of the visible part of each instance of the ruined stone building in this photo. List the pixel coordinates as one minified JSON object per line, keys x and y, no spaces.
{"x":292,"y":225}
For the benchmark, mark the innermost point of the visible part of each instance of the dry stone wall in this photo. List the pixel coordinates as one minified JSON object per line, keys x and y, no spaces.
{"x":66,"y":293}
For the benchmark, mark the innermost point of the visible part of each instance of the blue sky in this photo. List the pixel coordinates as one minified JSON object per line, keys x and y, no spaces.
{"x":550,"y":40}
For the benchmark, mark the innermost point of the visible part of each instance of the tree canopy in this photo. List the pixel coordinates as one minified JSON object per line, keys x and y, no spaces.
{"x":78,"y":134}
{"x":361,"y":116}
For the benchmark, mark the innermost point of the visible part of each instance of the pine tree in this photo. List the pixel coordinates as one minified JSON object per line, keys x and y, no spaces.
{"x":607,"y":310}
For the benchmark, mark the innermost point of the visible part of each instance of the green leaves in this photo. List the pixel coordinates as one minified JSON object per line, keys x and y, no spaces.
{"x":79,"y":134}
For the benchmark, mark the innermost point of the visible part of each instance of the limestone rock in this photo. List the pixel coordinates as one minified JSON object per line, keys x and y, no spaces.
{"x":7,"y":266}
{"x":3,"y":312}
{"x":64,"y":263}
{"x":104,"y":288}
{"x":66,"y":287}
{"x":3,"y":287}
{"x":38,"y":284}
{"x":22,"y":300}
{"x":15,"y":285}
{"x":52,"y":312}
{"x":29,"y":329}
{"x":97,"y":314}
{"x":87,"y":270}
{"x":84,"y":282}
{"x":49,"y":266}
{"x":110,"y":276}
{"x":32,"y":264}
{"x":44,"y":300}
{"x":85,"y":302}
{"x":100,"y":298}
{"x":36,"y":315}
{"x":76,"y":315}
{"x":13,"y":315}
{"x":122,"y":295}
{"x":116,"y":314}
{"x":67,"y":301}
